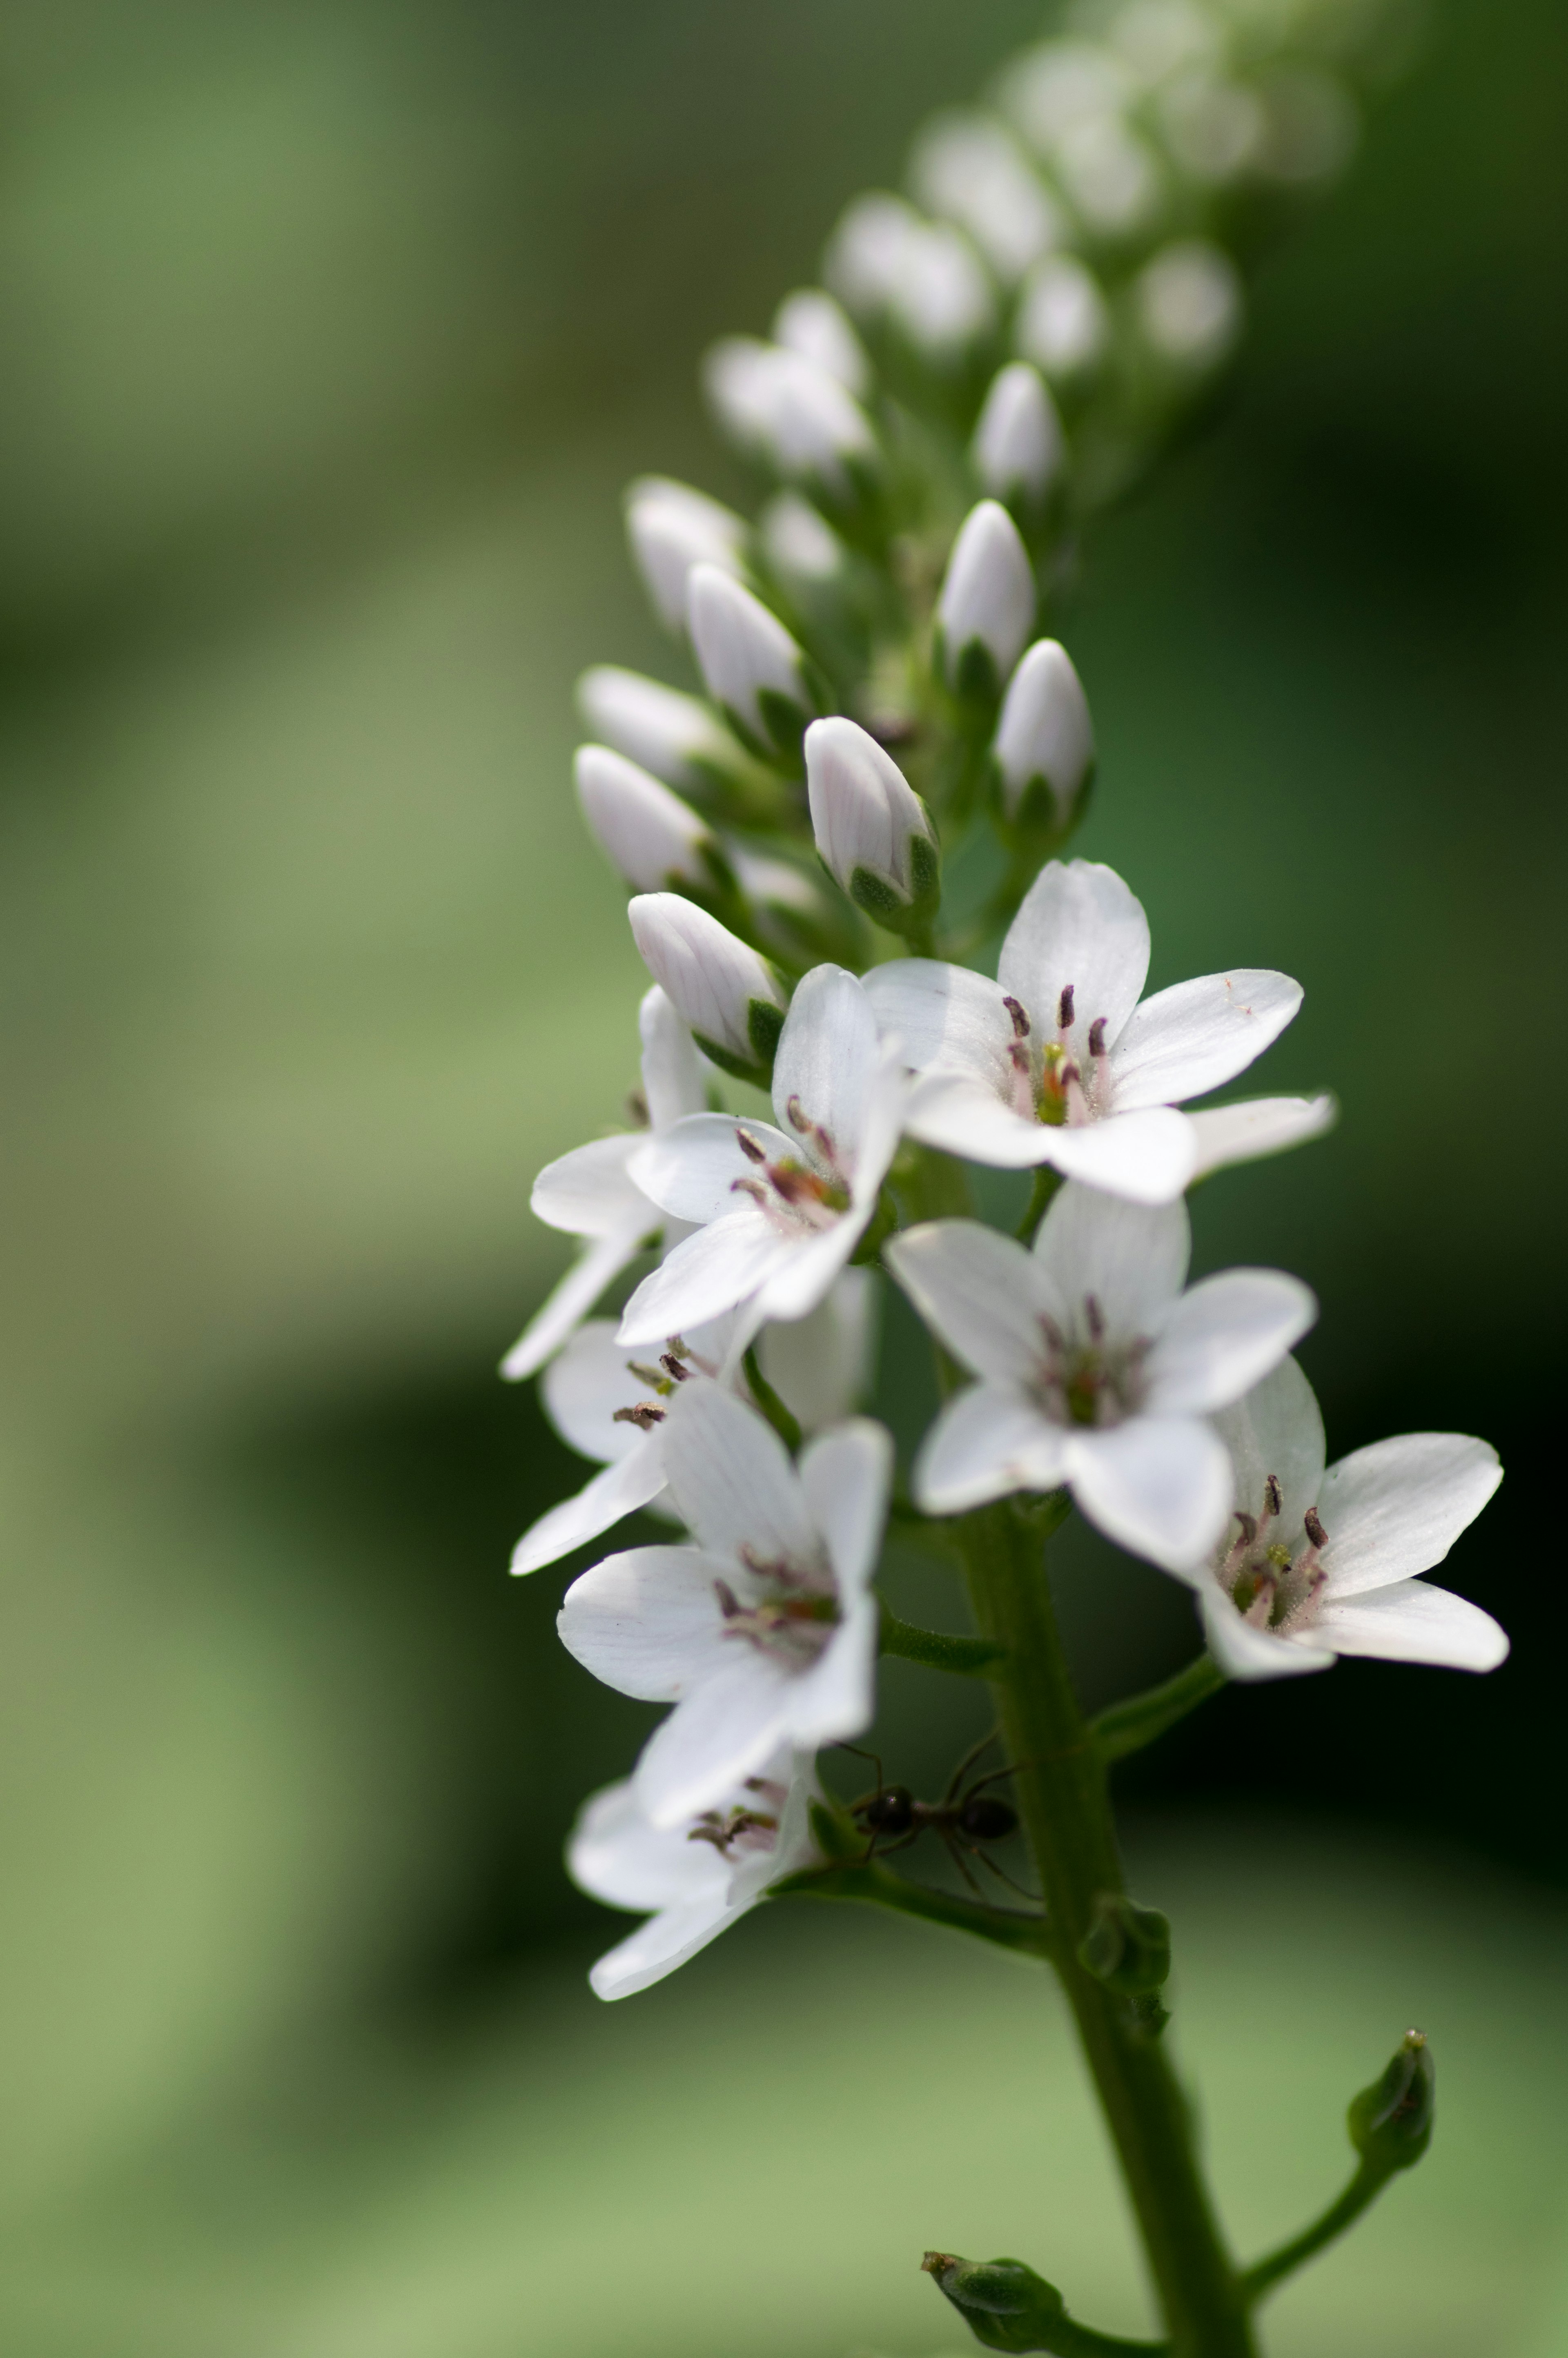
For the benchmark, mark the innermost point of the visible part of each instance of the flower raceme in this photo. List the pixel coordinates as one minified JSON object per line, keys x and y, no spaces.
{"x":1317,"y":1563}
{"x":1097,"y":1371}
{"x":763,"y":1633}
{"x":1058,"y":1062}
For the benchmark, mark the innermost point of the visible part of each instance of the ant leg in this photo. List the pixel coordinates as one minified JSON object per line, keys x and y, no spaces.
{"x":956,"y":1855}
{"x":964,"y":1765}
{"x":986,"y":1860}
{"x":880,"y":1787}
{"x":996,"y":1776}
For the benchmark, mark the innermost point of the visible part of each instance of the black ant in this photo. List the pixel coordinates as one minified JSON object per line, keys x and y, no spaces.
{"x":964,"y":1821}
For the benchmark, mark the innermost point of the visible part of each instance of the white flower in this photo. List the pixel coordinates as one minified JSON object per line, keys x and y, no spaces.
{"x":1058,"y":1062}
{"x":1017,"y":446}
{"x":788,"y":411}
{"x":749,"y":661}
{"x":675,"y":736}
{"x":922,"y":276}
{"x":1188,"y":303}
{"x":1097,"y":1371}
{"x":811,"y":323}
{"x":591,"y":1192}
{"x":1063,"y":325}
{"x":609,"y":1404}
{"x":699,"y":1877}
{"x":871,"y":829}
{"x":1045,"y":732}
{"x":1317,"y":1564}
{"x":783,"y":1208}
{"x":988,"y":594}
{"x":731,"y":998}
{"x":968,"y":170}
{"x":650,"y":835}
{"x":765,"y":1632}
{"x":671,"y":528}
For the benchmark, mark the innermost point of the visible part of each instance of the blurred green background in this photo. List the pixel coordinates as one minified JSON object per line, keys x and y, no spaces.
{"x":328,"y":334}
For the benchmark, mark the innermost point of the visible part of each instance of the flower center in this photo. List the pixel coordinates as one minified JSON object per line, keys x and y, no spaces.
{"x":800,"y":1197}
{"x":1087,"y":1378}
{"x":792,"y":1614}
{"x":1056,"y":1083}
{"x":743,"y":1829}
{"x":1271,"y":1584}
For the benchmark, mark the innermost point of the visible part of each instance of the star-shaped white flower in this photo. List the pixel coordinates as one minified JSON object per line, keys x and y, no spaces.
{"x":1317,"y":1564}
{"x":763,"y":1634}
{"x":1058,"y":1062}
{"x":779,"y":1211}
{"x":1096,"y":1370}
{"x":591,"y":1192}
{"x":609,"y":1404}
{"x":699,"y":1877}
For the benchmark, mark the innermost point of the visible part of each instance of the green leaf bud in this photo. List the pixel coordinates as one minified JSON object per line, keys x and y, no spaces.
{"x":1126,"y":1947}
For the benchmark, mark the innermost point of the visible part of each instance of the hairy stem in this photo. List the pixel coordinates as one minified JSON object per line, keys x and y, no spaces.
{"x":965,"y":1658}
{"x":1061,"y":1791}
{"x":878,"y":1886}
{"x":1129,"y":1726}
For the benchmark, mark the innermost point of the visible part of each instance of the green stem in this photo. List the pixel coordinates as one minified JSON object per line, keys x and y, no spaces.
{"x":1006,"y":1928}
{"x":1364,"y":2188}
{"x":1061,"y":1790}
{"x":1129,"y":1726}
{"x":965,"y":1657}
{"x":1046,"y":1183}
{"x":786,"y":1426}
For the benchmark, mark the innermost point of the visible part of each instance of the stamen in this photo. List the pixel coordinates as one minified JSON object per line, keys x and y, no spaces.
{"x":645,"y":1416}
{"x":1248,"y":1526}
{"x":637,"y":1112}
{"x":1272,"y":1500}
{"x":645,"y":1374}
{"x":729,"y":1604}
{"x":672,"y":1368}
{"x":1314,"y":1530}
{"x":802,"y":1121}
{"x":1096,"y":1036}
{"x":1065,"y":1010}
{"x":749,"y":1146}
{"x":1095,"y":1317}
{"x":1019,"y":1020}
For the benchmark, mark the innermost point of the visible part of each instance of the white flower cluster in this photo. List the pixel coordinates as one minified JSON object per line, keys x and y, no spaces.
{"x":876,"y":688}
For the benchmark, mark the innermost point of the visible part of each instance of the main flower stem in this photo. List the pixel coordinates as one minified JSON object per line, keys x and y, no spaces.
{"x":1065,"y":1809}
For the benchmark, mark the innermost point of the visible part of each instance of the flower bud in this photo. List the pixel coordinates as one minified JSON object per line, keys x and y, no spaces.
{"x":968,"y":170}
{"x":987,"y":604}
{"x":675,"y":736}
{"x":1060,"y":83}
{"x":798,"y":544}
{"x":650,"y":835}
{"x":1188,"y":303}
{"x":1391,"y":2122}
{"x":793,"y":915}
{"x":921,"y":276}
{"x":873,"y":835}
{"x":671,"y":528}
{"x":1044,"y":744}
{"x":1004,"y":2304}
{"x":1110,"y":177}
{"x":749,"y":661}
{"x":732,"y":1000}
{"x":788,"y":411}
{"x":1063,"y":325}
{"x":1126,"y":1947}
{"x":1018,"y":451}
{"x":809,"y":322}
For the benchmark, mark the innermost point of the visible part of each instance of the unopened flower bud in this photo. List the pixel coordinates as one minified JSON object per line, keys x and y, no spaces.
{"x":809,"y":322}
{"x":750,"y":663}
{"x":967,"y":168}
{"x":1126,"y":1947}
{"x":1018,"y":448}
{"x":1063,"y":325}
{"x":872,"y":830}
{"x":788,"y":411}
{"x":1059,"y":83}
{"x":1391,"y":2122}
{"x":1188,"y":304}
{"x":675,"y":736}
{"x":1044,"y":744}
{"x":1004,"y":2304}
{"x":987,"y":604}
{"x":1109,"y":175}
{"x":922,"y":276}
{"x":650,"y":835}
{"x":732,"y":1000}
{"x":671,"y":528}
{"x":798,"y":544}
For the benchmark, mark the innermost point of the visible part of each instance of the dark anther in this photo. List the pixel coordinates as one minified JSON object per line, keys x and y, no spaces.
{"x":645,"y":1416}
{"x":637,"y":1109}
{"x":1019,"y":1020}
{"x":1065,"y":1010}
{"x":673,"y":1367}
{"x":1314,"y":1530}
{"x":1272,"y":1499}
{"x":749,"y":1147}
{"x":1095,"y":1316}
{"x":1096,"y":1036}
{"x":728,"y":1602}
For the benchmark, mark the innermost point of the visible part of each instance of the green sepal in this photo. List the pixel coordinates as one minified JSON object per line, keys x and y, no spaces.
{"x":785,"y":721}
{"x":1391,"y":2122}
{"x":1007,"y":2307}
{"x":834,"y":1834}
{"x":758,"y":1069}
{"x":1126,"y":1947}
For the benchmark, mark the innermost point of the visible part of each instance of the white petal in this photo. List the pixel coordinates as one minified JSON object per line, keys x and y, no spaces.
{"x":837,"y":1698}
{"x":667,"y":1940}
{"x":616,"y":1492}
{"x":982,"y":1292}
{"x":590,"y":1193}
{"x":616,"y":1855}
{"x":1276,"y":1429}
{"x":1415,"y":1622}
{"x":1223,"y":1337}
{"x":847,"y":1474}
{"x":720,"y":1732}
{"x":1197,"y":1035}
{"x":1396,"y":1508}
{"x":573,"y":1298}
{"x":730,"y":1476}
{"x":990,"y":1440}
{"x":674,"y":1076}
{"x":1158,"y":1486}
{"x":946,"y":1016}
{"x":583,"y":1388}
{"x":723,"y":1265}
{"x":691,"y":1168}
{"x":647,"y":1622}
{"x":821,"y":1365}
{"x":1132,"y":1258}
{"x":828,"y":1058}
{"x":1249,"y":1654}
{"x":1147,"y":1157}
{"x":967,"y":1117}
{"x":1079,"y":926}
{"x":803,"y":1278}
{"x":1241,"y":1133}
